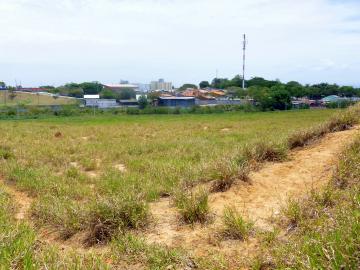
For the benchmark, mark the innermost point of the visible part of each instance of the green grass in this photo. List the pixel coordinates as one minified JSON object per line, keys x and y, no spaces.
{"x":235,"y":226}
{"x":77,"y":186}
{"x":325,"y":226}
{"x":193,"y":206}
{"x":32,"y":99}
{"x":160,"y":153}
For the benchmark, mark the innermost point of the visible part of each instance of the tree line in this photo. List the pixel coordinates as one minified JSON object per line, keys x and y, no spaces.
{"x":295,"y":89}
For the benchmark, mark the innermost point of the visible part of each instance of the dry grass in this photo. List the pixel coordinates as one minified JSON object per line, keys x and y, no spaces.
{"x":193,"y":206}
{"x":235,"y":226}
{"x":339,"y":122}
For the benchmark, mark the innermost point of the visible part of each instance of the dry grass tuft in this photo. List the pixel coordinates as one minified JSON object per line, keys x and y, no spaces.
{"x":193,"y":206}
{"x":113,"y":215}
{"x":236,"y":227}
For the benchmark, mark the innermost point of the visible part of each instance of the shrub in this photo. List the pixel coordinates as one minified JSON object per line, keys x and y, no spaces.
{"x":235,"y":225}
{"x":193,"y":207}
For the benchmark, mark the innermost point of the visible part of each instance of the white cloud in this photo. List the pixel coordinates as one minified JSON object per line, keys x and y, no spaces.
{"x":46,"y":41}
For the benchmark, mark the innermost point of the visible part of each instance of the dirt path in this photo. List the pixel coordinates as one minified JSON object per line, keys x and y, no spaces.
{"x":306,"y":168}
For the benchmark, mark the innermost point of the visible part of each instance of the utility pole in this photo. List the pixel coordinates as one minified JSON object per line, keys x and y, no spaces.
{"x":244,"y":52}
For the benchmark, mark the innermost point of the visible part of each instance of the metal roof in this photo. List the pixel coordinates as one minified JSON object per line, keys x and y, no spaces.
{"x":92,"y":96}
{"x":187,"y":98}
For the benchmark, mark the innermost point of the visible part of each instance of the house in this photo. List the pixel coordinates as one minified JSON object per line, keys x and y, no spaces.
{"x":129,"y":102}
{"x":303,"y":103}
{"x":176,"y":101}
{"x":331,"y":99}
{"x":95,"y":101}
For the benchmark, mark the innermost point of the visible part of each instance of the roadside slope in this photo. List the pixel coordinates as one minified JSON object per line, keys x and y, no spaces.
{"x":270,"y":187}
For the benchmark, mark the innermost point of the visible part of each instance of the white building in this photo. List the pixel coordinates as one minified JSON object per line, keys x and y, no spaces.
{"x":95,"y":101}
{"x":160,"y":85}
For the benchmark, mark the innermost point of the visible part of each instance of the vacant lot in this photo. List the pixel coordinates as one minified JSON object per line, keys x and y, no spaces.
{"x":97,"y":176}
{"x":8,"y":99}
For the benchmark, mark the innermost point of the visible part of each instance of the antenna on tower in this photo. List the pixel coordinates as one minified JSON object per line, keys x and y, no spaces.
{"x":244,"y":53}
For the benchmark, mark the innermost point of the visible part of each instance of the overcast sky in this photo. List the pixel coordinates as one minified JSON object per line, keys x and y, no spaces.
{"x":54,"y":42}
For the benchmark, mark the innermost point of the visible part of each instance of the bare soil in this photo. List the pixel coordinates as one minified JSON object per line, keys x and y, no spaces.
{"x":260,"y":200}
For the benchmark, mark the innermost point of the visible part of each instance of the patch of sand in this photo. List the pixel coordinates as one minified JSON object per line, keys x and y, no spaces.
{"x":120,"y":167}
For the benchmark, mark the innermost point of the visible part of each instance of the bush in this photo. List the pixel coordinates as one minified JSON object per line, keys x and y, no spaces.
{"x":235,"y":225}
{"x":193,"y":207}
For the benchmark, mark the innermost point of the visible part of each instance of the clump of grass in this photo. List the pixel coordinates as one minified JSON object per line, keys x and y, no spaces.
{"x":293,"y":212}
{"x":5,"y":152}
{"x":115,"y":214}
{"x":226,"y":172}
{"x":89,"y":164}
{"x":236,"y":227}
{"x":130,"y":247}
{"x":67,"y":216}
{"x":304,"y":137}
{"x":193,"y":206}
{"x":265,"y":151}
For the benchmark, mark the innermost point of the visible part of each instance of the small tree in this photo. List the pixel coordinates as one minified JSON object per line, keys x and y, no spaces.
{"x":143,"y":102}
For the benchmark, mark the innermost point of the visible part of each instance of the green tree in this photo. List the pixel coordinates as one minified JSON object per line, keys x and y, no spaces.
{"x":75,"y":92}
{"x":280,"y":99}
{"x":127,"y":93}
{"x":108,"y":94}
{"x":204,"y":84}
{"x":186,"y":86}
{"x":2,"y":85}
{"x":47,"y":87}
{"x":236,"y":92}
{"x":91,"y":88}
{"x":143,"y":102}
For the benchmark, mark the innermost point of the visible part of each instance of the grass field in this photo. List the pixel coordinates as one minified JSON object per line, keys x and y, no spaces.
{"x":86,"y":173}
{"x":32,"y":99}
